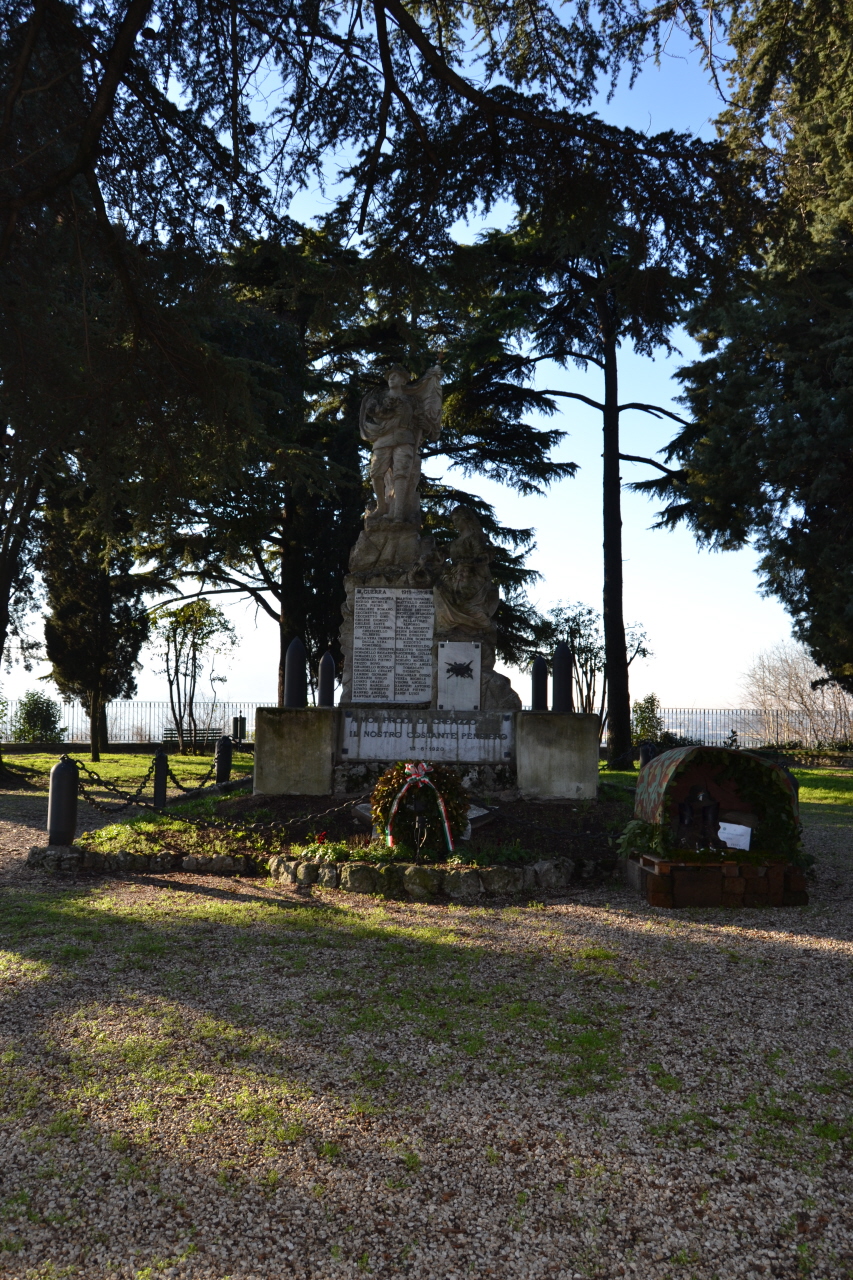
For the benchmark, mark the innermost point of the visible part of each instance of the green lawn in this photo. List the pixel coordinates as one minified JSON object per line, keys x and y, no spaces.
{"x":126,"y":770}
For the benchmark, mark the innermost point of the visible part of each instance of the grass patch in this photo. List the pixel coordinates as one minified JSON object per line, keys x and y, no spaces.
{"x":127,"y":771}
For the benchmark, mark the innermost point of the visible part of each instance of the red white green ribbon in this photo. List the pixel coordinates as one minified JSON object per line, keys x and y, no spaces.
{"x":416,"y":776}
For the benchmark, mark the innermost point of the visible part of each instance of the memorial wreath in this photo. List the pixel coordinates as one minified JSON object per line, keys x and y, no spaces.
{"x":423,"y":807}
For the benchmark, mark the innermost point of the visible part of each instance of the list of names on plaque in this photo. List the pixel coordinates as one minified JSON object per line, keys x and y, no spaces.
{"x":392,"y":645}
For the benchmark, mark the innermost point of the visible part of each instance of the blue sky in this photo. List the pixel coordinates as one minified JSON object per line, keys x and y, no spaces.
{"x":702,"y":611}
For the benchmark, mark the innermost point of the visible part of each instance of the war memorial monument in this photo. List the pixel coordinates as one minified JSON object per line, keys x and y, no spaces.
{"x":418,"y":641}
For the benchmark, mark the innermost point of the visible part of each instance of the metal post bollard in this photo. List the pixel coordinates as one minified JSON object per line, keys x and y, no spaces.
{"x":539,"y":684}
{"x":161,"y":770}
{"x":326,"y":681}
{"x":222,"y":756}
{"x":561,"y":678}
{"x":62,"y":802}
{"x":296,"y":675}
{"x":238,"y":729}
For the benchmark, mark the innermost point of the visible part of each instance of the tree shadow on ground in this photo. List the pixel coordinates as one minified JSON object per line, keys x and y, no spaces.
{"x":268,"y":1079}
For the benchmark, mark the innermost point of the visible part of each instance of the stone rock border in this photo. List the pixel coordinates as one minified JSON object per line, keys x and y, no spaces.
{"x":422,"y":883}
{"x":395,"y":880}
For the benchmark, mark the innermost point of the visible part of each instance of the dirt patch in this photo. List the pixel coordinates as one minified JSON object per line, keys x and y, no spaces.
{"x":583,"y":829}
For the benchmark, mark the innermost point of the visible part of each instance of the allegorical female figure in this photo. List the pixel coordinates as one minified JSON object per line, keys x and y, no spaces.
{"x":465,"y":596}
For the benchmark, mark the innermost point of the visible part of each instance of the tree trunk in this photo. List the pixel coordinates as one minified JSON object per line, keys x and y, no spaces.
{"x":4,"y":630}
{"x":283,"y":637}
{"x":619,"y":749}
{"x":94,"y":727}
{"x":291,"y":591}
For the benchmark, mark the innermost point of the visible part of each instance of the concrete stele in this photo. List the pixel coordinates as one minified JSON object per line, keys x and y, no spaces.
{"x":557,"y":755}
{"x":295,"y":750}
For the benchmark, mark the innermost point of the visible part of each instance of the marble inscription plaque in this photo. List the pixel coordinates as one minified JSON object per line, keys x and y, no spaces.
{"x":392,"y":645}
{"x":458,"y":676}
{"x":484,"y":737}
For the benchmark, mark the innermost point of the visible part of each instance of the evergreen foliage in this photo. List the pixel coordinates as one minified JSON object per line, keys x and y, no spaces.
{"x":766,"y":457}
{"x":599,"y":256}
{"x":345,"y":317}
{"x":37,"y":718}
{"x":97,"y":622}
{"x":646,"y":720}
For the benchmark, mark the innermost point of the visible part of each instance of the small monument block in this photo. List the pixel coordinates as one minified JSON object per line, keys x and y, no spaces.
{"x":557,"y":755}
{"x":295,"y":751}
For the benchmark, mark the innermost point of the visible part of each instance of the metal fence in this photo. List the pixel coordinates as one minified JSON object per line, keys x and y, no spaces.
{"x":755,"y":727}
{"x":131,"y":720}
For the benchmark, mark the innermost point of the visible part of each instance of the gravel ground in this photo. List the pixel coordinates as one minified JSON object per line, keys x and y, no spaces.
{"x":214,"y":1078}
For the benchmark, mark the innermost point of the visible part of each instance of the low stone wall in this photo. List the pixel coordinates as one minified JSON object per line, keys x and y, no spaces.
{"x":396,"y":880}
{"x":422,"y":883}
{"x":70,"y":858}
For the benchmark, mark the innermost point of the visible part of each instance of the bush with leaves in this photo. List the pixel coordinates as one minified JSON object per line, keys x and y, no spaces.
{"x":646,"y":720}
{"x":37,"y":719}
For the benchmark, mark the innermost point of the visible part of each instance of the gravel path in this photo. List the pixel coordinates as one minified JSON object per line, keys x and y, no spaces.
{"x":207,"y":1078}
{"x":23,"y":823}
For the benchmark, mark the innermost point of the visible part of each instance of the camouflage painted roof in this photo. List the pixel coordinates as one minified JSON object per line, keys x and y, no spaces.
{"x":659,"y":774}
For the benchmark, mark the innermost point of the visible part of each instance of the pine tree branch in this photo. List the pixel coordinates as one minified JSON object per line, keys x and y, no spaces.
{"x":489,"y":106}
{"x":381,"y":129}
{"x":34,"y":27}
{"x":575,"y":395}
{"x":656,"y":411}
{"x":87,"y":147}
{"x":631,"y":457}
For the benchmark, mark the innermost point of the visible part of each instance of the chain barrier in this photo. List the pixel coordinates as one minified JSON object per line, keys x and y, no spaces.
{"x":135,"y":799}
{"x":276,"y":824}
{"x":109,"y":786}
{"x":198,"y":786}
{"x":126,"y":797}
{"x":130,"y":802}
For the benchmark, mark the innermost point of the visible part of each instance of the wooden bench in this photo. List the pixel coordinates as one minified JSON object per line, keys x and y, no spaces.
{"x":204,"y":738}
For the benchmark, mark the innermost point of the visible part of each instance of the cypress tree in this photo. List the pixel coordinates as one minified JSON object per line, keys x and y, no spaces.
{"x":97,"y":622}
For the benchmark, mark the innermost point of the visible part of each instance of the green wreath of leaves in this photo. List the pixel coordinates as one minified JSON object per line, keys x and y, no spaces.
{"x":456,"y":802}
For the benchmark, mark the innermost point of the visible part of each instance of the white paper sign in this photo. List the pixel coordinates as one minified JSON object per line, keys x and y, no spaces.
{"x":734,"y":835}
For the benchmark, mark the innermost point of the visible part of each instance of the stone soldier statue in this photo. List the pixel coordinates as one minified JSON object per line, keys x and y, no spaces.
{"x":396,"y":420}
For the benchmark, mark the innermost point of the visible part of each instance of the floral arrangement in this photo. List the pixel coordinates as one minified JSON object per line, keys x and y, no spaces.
{"x":443,"y":818}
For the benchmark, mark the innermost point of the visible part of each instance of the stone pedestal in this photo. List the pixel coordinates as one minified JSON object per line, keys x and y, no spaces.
{"x":295,"y":751}
{"x":557,"y":755}
{"x":320,"y":750}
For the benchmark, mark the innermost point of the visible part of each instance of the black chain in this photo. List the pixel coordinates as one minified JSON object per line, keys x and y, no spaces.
{"x":115,"y":808}
{"x":275,"y":825}
{"x":129,"y":800}
{"x":109,"y":786}
{"x":198,"y":786}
